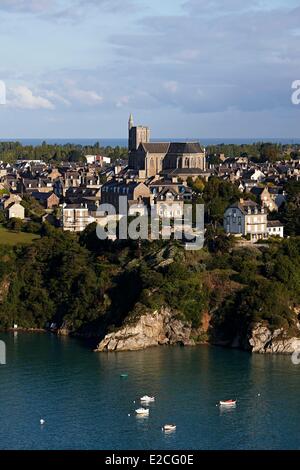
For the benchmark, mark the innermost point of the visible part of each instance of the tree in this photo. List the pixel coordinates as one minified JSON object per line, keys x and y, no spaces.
{"x":76,"y":156}
{"x":15,"y":224}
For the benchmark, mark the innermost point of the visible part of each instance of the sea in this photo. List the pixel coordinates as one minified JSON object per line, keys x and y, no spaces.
{"x":86,"y":404}
{"x":124,"y":142}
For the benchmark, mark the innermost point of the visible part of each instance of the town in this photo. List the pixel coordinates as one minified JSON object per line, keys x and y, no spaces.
{"x":161,"y":176}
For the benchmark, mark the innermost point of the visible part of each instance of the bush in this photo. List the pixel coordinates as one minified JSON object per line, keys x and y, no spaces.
{"x":15,"y":224}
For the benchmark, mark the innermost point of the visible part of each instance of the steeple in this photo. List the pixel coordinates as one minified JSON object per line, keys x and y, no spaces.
{"x":130,"y":122}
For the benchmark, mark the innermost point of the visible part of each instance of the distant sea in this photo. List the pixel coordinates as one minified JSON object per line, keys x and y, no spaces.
{"x":123,"y":142}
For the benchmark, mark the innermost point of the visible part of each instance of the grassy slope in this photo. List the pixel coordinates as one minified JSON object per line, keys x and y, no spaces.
{"x":13,"y":238}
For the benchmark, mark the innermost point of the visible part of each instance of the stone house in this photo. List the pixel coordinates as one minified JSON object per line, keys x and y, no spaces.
{"x":264,"y":198}
{"x":10,"y":199}
{"x":168,"y":203}
{"x":134,"y":191}
{"x":47,"y":200}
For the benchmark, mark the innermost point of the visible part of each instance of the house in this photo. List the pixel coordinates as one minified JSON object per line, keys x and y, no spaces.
{"x":278,"y":195}
{"x":264,"y":198}
{"x":10,"y":199}
{"x":168,"y":203}
{"x":99,"y":159}
{"x":246,"y":218}
{"x":47,"y":200}
{"x":30,"y":185}
{"x":54,"y":174}
{"x":254,"y":175}
{"x":16,"y":211}
{"x":275,"y":228}
{"x":158,"y":185}
{"x":89,"y":197}
{"x":75,"y":218}
{"x":134,"y":191}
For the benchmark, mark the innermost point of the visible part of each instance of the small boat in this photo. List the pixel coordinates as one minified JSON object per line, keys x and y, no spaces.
{"x":42,"y":421}
{"x":169,"y":427}
{"x":228,"y":403}
{"x":124,"y":376}
{"x":147,"y":399}
{"x":142,"y":412}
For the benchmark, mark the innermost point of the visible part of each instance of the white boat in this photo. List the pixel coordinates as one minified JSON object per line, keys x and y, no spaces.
{"x":42,"y":421}
{"x":169,"y":427}
{"x":142,"y":411}
{"x":147,"y":399}
{"x":228,"y":403}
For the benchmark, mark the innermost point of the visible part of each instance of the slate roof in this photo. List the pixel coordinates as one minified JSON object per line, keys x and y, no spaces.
{"x":176,"y":148}
{"x":185,"y":147}
{"x":155,"y":147}
{"x":274,"y":223}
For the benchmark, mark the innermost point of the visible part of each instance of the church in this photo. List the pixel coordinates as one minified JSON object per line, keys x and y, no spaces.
{"x":161,"y":158}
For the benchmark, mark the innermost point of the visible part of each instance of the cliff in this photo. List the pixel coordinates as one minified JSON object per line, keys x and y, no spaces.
{"x":261,"y":339}
{"x":163,"y":327}
{"x":150,"y":329}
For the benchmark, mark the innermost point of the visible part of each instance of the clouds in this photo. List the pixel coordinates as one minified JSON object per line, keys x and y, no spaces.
{"x":26,"y":6}
{"x":71,"y":96}
{"x":65,"y":10}
{"x":217,"y":7}
{"x":202,"y":58}
{"x":86,"y":97}
{"x":21,"y":97}
{"x":244,"y":61}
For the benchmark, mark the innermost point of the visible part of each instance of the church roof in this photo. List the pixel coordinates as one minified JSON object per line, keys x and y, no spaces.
{"x":156,"y":147}
{"x":172,"y":148}
{"x":185,"y":147}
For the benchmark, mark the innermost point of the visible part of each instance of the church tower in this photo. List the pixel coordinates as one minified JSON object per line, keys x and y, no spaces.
{"x":137,"y":135}
{"x":130,"y":122}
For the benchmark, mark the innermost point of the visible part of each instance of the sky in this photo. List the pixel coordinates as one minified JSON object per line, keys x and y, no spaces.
{"x":186,"y":68}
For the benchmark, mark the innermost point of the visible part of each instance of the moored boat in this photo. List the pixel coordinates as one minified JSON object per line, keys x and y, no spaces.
{"x":169,"y":427}
{"x":142,"y":411}
{"x":228,"y":403}
{"x":147,"y":399}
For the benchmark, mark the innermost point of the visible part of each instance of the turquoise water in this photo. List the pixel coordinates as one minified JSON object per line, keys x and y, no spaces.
{"x":86,"y":404}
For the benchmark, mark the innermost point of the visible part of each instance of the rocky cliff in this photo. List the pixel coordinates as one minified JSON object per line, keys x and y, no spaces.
{"x":150,"y":329}
{"x":261,"y":339}
{"x":163,"y":327}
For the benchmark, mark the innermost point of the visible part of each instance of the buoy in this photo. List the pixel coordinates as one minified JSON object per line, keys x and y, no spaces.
{"x":42,"y":421}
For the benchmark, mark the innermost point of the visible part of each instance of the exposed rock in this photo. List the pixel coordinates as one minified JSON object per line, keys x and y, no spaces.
{"x":4,"y":288}
{"x":150,"y":329}
{"x":262,"y":340}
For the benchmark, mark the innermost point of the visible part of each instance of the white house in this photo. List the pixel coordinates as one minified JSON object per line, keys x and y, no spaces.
{"x":75,"y":218}
{"x":246,"y":218}
{"x":16,"y":211}
{"x":275,"y":228}
{"x":255,"y":175}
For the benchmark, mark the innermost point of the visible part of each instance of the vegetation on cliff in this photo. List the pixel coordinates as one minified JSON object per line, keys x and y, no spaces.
{"x":84,"y":283}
